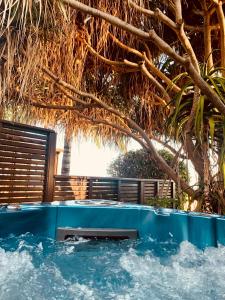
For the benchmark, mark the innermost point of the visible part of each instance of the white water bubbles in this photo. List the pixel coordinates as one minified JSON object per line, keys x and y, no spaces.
{"x":190,"y":274}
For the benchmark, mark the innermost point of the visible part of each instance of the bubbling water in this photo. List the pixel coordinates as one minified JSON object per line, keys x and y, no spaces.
{"x":38,"y":268}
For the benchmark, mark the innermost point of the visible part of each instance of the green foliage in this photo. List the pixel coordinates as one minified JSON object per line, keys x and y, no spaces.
{"x":163,"y":202}
{"x":138,"y":164}
{"x":209,"y":123}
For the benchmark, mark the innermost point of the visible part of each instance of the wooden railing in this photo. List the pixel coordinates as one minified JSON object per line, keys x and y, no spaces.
{"x":117,"y":189}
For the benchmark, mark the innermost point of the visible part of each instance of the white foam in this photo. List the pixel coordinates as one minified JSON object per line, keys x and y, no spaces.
{"x":190,"y":274}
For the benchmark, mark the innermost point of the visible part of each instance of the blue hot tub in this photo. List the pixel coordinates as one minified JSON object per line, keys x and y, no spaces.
{"x":177,"y":255}
{"x":160,"y":224}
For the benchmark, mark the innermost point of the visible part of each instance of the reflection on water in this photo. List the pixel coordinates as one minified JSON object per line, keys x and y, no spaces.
{"x":39,"y":268}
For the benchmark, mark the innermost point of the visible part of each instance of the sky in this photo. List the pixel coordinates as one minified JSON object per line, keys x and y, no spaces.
{"x":88,"y":159}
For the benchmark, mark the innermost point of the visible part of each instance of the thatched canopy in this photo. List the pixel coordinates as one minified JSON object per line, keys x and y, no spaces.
{"x":72,"y":45}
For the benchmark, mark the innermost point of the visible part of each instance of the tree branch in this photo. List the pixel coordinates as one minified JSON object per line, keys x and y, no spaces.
{"x":91,"y":119}
{"x":117,"y":65}
{"x":160,"y":43}
{"x":152,"y":67}
{"x":207,"y":41}
{"x":150,"y":147}
{"x":221,"y":19}
{"x":107,"y":17}
{"x":157,"y":14}
{"x":169,"y":147}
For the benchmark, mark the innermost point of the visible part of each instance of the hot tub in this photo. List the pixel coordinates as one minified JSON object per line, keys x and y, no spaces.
{"x":174,"y":255}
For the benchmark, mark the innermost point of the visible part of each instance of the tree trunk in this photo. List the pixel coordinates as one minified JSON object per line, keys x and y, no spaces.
{"x":65,"y":170}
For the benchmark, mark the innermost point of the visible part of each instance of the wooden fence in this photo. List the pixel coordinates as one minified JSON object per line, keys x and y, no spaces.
{"x":117,"y":189}
{"x":27,"y":157}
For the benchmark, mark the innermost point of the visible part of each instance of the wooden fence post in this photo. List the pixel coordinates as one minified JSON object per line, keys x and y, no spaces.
{"x":173,"y":190}
{"x":141,"y":193}
{"x":156,"y":192}
{"x":90,"y":188}
{"x":48,"y":192}
{"x":118,"y":189}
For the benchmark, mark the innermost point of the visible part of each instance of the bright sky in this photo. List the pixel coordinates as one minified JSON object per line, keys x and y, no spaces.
{"x":90,"y":160}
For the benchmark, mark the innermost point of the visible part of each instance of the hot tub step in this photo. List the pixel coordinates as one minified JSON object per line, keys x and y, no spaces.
{"x":96,"y":233}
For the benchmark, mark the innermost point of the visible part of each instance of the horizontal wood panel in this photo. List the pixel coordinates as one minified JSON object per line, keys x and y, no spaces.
{"x":5,"y":165}
{"x":11,"y":148}
{"x":65,"y":198}
{"x":104,"y":182}
{"x":21,"y":188}
{"x":21,"y":172}
{"x":20,"y":200}
{"x":103,"y":190}
{"x":22,"y":139}
{"x":74,"y":188}
{"x":21,"y":195}
{"x":67,"y":194}
{"x":21,"y":177}
{"x":25,"y":155}
{"x":129,"y":190}
{"x":21,"y":144}
{"x":20,"y":183}
{"x":23,"y":133}
{"x":104,"y":186}
{"x":12,"y":154}
{"x":14,"y":160}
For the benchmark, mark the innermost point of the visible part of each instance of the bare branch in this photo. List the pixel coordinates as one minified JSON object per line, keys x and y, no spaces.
{"x":158,"y":14}
{"x":116,"y":65}
{"x":91,"y":119}
{"x":151,"y":66}
{"x":109,"y":18}
{"x":168,"y":146}
{"x":207,"y":40}
{"x":221,"y":18}
{"x":178,"y":11}
{"x":155,"y":82}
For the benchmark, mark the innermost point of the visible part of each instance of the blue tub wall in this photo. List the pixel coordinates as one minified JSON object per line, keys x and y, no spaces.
{"x":160,"y":224}
{"x":39,"y":221}
{"x":98,"y":217}
{"x":220,"y":230}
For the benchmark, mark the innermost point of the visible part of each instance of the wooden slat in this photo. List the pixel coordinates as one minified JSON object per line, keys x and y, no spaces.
{"x":57,"y":188}
{"x":13,"y":160}
{"x":104,"y":189}
{"x":129,"y":188}
{"x":22,"y":194}
{"x":20,"y":183}
{"x":21,"y":172}
{"x":23,"y":139}
{"x":5,"y":152}
{"x":20,"y":177}
{"x":5,"y":165}
{"x":21,"y":144}
{"x":64,"y":198}
{"x":110,"y":183}
{"x":62,"y":193}
{"x":65,"y":186}
{"x":21,"y":200}
{"x":21,"y":188}
{"x":8,"y":146}
{"x":24,"y":133}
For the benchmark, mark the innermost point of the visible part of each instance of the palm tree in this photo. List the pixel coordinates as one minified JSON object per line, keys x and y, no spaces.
{"x":65,"y":170}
